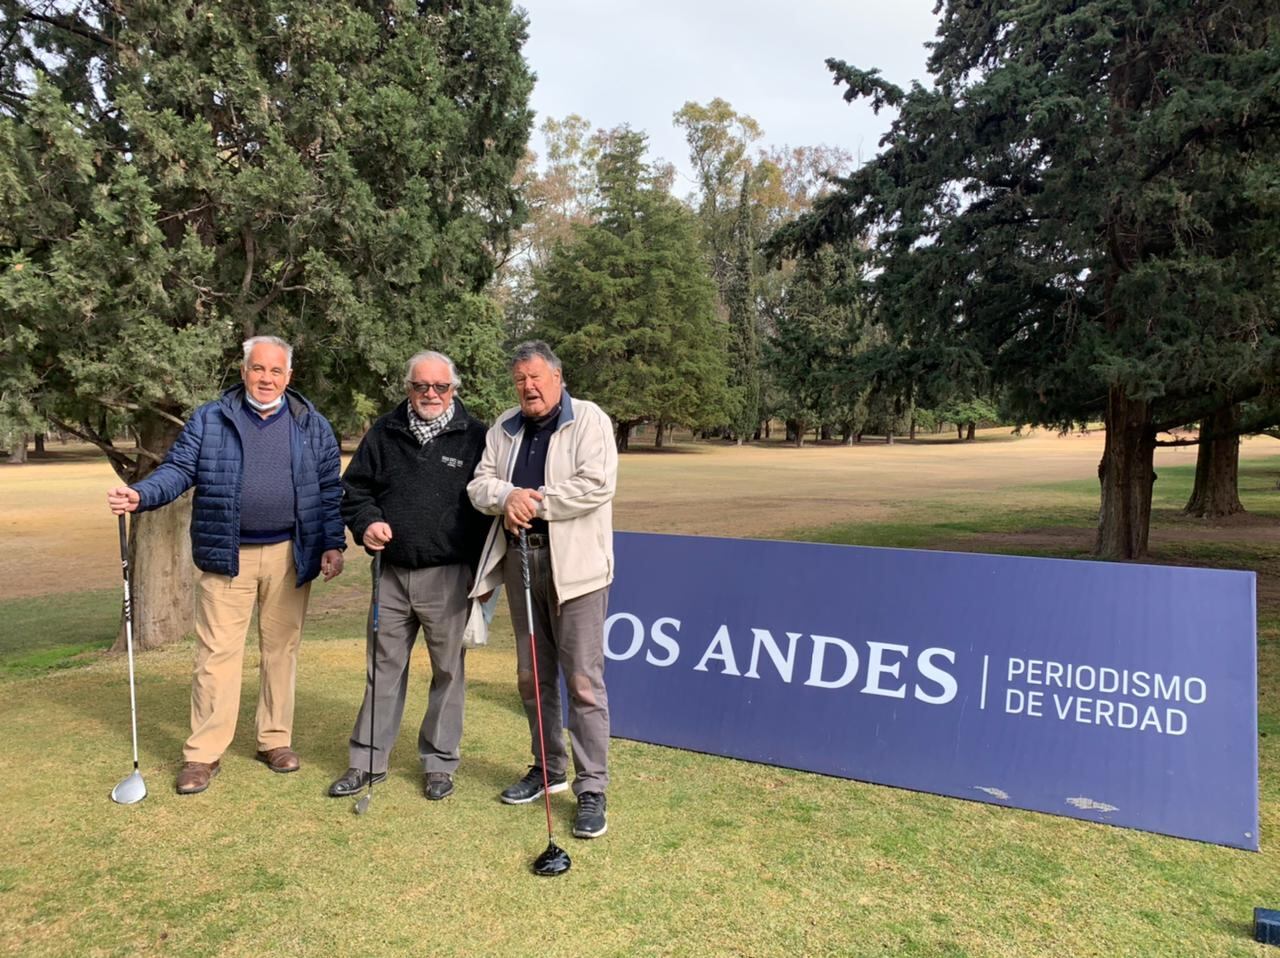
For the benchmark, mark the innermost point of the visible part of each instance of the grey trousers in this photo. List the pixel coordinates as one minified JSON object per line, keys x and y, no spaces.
{"x":434,"y":599}
{"x":569,"y":641}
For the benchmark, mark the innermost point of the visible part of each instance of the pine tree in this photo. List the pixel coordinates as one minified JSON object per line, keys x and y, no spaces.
{"x":1083,"y":207}
{"x":744,"y":358}
{"x":177,"y":177}
{"x":630,"y":307}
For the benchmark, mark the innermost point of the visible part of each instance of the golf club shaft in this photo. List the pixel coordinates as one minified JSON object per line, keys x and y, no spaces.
{"x":373,"y":669}
{"x":128,"y":635}
{"x":537,"y":688}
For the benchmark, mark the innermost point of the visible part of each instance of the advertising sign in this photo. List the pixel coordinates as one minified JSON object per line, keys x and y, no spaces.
{"x":1110,"y":692}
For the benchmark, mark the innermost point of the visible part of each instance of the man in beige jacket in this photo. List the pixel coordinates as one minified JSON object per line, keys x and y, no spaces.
{"x":550,"y":468}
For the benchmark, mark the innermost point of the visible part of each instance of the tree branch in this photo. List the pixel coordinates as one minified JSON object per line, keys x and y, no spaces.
{"x":281,"y":286}
{"x":250,"y":252}
{"x":72,"y":25}
{"x":120,"y":462}
{"x":135,"y":407}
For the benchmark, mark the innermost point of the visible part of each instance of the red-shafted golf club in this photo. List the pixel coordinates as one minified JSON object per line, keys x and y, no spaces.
{"x":554,"y":860}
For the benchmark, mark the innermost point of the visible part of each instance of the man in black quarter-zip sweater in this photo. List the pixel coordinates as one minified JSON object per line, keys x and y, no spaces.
{"x":405,"y":495}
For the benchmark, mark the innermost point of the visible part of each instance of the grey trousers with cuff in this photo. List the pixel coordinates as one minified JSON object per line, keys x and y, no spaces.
{"x":434,"y":599}
{"x":569,"y":638}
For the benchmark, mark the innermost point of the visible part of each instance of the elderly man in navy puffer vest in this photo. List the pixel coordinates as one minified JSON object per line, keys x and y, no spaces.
{"x":265,"y":522}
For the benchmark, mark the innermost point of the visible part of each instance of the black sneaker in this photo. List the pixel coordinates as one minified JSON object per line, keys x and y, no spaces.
{"x":589,"y":822}
{"x":437,"y":785}
{"x":530,"y":787}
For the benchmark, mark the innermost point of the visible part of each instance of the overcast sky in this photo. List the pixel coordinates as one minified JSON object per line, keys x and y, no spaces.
{"x":625,"y":61}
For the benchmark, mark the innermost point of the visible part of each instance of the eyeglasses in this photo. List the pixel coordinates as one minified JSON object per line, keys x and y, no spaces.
{"x":421,"y":389}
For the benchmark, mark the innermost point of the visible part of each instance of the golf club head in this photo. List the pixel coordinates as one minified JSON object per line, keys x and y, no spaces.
{"x":553,"y":861}
{"x":130,"y":791}
{"x":362,"y":806}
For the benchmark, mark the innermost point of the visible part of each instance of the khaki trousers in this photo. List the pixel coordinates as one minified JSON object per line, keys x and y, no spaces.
{"x":268,"y":580}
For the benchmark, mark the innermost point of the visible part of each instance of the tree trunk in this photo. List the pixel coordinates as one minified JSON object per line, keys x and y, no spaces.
{"x":18,"y":454}
{"x":912,"y":434}
{"x":797,"y":438}
{"x":624,"y":436}
{"x":39,"y":441}
{"x":969,"y":434}
{"x":161,"y":576}
{"x":888,"y":438}
{"x":659,"y":435}
{"x":960,"y":431}
{"x":825,"y":432}
{"x":1216,"y":493}
{"x":161,"y":573}
{"x":1126,"y":475}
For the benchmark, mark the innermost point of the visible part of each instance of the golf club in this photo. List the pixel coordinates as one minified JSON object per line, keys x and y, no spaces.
{"x":554,"y":860}
{"x":132,"y":788}
{"x":362,"y":806}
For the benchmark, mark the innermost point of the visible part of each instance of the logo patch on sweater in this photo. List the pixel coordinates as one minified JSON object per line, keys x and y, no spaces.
{"x":452,"y":462}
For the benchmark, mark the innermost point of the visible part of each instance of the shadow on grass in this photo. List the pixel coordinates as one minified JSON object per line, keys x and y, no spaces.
{"x":322,"y":722}
{"x":503,"y":696}
{"x":475,"y":773}
{"x":1238,"y":929}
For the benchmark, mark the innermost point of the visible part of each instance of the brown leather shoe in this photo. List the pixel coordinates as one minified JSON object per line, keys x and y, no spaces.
{"x":282,"y":759}
{"x":195,"y":776}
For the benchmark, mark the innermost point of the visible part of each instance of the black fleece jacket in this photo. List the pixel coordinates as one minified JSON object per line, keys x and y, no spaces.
{"x":420,"y":491}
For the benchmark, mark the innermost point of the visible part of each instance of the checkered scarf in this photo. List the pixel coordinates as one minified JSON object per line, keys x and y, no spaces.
{"x":427,"y":429}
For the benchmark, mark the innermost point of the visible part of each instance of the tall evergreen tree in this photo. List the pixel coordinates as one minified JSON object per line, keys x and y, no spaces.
{"x":630,"y":307}
{"x":745,"y":366}
{"x":814,"y":353}
{"x":1084,"y":202}
{"x":177,"y":177}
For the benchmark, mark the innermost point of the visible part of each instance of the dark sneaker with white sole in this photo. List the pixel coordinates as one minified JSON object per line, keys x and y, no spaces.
{"x":530,"y":787}
{"x":437,"y":785}
{"x":590,"y":822}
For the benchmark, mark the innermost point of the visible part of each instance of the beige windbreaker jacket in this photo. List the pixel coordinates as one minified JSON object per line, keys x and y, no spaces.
{"x":581,"y":477}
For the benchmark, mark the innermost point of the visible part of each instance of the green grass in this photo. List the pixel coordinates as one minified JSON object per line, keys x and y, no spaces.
{"x":47,"y":632}
{"x":1073,"y":505}
{"x":705,"y":856}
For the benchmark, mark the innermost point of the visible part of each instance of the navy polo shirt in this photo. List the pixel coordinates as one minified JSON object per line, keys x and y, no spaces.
{"x":530,"y":470}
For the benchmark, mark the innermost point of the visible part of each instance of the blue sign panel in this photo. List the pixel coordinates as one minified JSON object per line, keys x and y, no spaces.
{"x":1110,"y":692}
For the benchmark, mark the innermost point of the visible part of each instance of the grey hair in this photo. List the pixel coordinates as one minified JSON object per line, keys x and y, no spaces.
{"x":534,"y":348}
{"x":422,"y":357}
{"x":269,"y":341}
